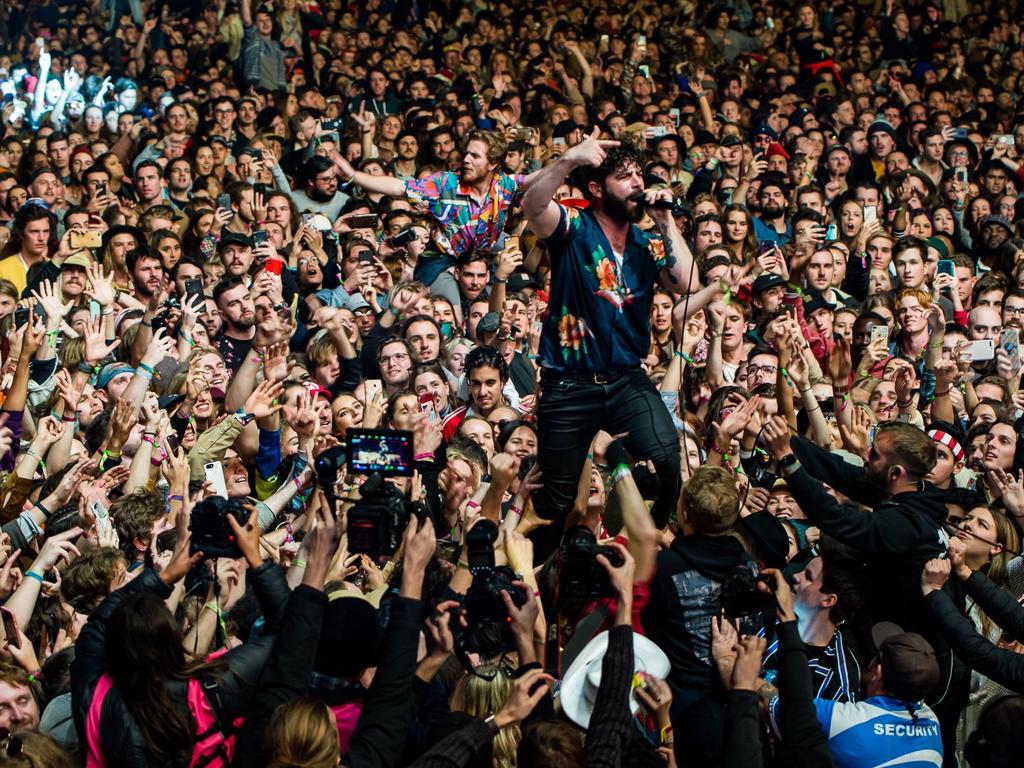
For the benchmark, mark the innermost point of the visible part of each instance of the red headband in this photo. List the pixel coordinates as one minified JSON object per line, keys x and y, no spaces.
{"x":946,"y":439}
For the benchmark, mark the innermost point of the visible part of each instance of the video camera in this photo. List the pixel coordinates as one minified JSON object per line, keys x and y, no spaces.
{"x":211,"y":533}
{"x":580,"y":576}
{"x":488,"y":632}
{"x":377,"y":520}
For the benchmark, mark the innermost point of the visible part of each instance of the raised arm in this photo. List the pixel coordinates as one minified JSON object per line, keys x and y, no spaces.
{"x":382,"y":185}
{"x":542,"y":212}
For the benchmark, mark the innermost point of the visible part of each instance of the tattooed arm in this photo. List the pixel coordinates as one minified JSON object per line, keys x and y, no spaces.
{"x":678,"y":274}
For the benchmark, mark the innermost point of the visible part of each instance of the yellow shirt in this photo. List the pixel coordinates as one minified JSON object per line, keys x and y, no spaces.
{"x":13,"y":268}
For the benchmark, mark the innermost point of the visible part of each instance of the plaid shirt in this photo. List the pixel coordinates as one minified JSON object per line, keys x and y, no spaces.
{"x":466,"y":223}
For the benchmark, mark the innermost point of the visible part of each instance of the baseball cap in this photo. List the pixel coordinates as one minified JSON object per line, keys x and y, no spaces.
{"x":765,"y":281}
{"x":999,"y":221}
{"x":233,"y":238}
{"x":910,"y":668}
{"x":816,"y":302}
{"x":565,"y":127}
{"x":488,"y":323}
{"x":79,"y":259}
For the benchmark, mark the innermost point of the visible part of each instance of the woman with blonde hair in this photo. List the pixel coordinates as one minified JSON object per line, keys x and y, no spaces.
{"x":484,"y":694}
{"x":302,"y":733}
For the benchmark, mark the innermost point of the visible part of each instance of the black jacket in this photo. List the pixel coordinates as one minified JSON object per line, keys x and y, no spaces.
{"x":685,"y":594}
{"x":1004,"y":666}
{"x":121,"y":741}
{"x":896,"y":538}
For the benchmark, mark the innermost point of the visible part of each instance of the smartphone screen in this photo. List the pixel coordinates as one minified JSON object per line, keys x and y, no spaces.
{"x":946,"y":267}
{"x":880,"y":332}
{"x":10,"y":627}
{"x":870,"y":214}
{"x":428,"y":406}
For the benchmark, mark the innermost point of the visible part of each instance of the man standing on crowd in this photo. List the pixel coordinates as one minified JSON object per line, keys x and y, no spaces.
{"x":598,"y":330}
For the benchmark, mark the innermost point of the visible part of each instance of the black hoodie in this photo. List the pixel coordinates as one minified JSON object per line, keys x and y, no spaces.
{"x":685,"y":594}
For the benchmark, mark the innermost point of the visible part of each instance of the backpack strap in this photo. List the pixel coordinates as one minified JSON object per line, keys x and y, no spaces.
{"x":93,"y":738}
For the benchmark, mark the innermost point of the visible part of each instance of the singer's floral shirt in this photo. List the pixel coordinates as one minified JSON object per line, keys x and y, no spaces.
{"x":600,"y":304}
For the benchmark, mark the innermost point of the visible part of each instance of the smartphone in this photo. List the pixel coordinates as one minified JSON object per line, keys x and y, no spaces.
{"x":959,"y":133}
{"x":832,"y":233}
{"x":307,"y":220}
{"x":10,"y":626}
{"x":1009,"y":342}
{"x":604,"y":40}
{"x":273,"y":266}
{"x":20,"y":316}
{"x":978,"y":351}
{"x":674,"y":114}
{"x":511,"y":243}
{"x":641,"y":41}
{"x":946,"y":267}
{"x":194,"y":290}
{"x":428,"y":406}
{"x":1003,"y":138}
{"x":960,"y":174}
{"x":214,"y":472}
{"x":558,"y":141}
{"x":224,"y":201}
{"x":100,"y":513}
{"x":373,"y":389}
{"x":89,"y":239}
{"x":769,"y":23}
{"x":159,"y":323}
{"x":880,"y":332}
{"x":870,"y":213}
{"x":404,"y":237}
{"x":362,"y":221}
{"x":655,"y":131}
{"x":259,"y":237}
{"x":101,"y":188}
{"x":645,"y":71}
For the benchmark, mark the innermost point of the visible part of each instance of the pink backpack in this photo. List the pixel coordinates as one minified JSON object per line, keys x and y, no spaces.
{"x":213,"y":748}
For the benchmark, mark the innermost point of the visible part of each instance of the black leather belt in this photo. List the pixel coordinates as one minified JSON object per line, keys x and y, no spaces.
{"x":588,"y":377}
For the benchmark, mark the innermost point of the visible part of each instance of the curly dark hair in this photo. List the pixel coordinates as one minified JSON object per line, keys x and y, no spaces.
{"x":617,"y":158}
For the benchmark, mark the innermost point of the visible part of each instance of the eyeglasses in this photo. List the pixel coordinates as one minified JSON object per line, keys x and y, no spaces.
{"x":396,"y":357}
{"x":768,"y":370}
{"x":1013,"y":310}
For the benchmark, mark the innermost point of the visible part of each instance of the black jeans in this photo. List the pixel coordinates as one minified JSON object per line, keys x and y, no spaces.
{"x":571,"y":412}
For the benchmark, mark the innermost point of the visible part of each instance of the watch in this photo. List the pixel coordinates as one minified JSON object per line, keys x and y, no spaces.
{"x":243,"y":417}
{"x":787,"y":461}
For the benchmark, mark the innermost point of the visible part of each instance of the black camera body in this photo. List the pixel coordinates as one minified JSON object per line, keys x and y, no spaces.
{"x":488,"y":632}
{"x":580,"y":576}
{"x":740,"y":596}
{"x":377,"y":521}
{"x":211,"y":533}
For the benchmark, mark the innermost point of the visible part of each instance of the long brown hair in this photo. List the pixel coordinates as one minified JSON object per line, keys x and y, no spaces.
{"x":302,"y":732}
{"x":144,"y":653}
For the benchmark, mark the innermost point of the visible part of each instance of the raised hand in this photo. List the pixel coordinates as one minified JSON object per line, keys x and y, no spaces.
{"x":591,"y":151}
{"x":263,"y":400}
{"x":776,"y":437}
{"x":95,"y":338}
{"x":49,"y":299}
{"x":935,"y":575}
{"x":100,"y":287}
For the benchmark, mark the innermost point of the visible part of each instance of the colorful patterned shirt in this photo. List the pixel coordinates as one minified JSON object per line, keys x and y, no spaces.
{"x":466,"y":223}
{"x":599,"y":306}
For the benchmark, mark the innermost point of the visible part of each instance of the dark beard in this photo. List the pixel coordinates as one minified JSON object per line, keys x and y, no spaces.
{"x":318,"y":196}
{"x":622,"y":210}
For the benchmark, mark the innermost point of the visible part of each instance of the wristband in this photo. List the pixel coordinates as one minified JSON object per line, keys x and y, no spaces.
{"x":73,"y":419}
{"x":174,"y":497}
{"x":297,"y":563}
{"x":34,"y":575}
{"x":621,"y":471}
{"x":111,"y":454}
{"x":514,"y":510}
{"x":35,"y":676}
{"x":472,"y":504}
{"x":39,"y":505}
{"x":423,"y":457}
{"x":665,"y":735}
{"x":686,"y":357}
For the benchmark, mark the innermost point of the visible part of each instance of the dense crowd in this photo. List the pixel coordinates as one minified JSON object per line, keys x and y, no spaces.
{"x":432,"y":384}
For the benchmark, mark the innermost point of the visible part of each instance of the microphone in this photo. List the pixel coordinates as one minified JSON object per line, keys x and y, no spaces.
{"x":675,"y":204}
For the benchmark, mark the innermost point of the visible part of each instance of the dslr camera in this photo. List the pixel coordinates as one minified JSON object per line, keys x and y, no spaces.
{"x":488,"y":632}
{"x":741,"y":597}
{"x":377,"y":520}
{"x":580,"y":576}
{"x":211,"y":533}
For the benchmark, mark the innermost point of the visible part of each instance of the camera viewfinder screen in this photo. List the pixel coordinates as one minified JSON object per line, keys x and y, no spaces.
{"x":387,"y":452}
